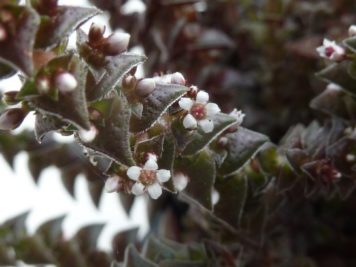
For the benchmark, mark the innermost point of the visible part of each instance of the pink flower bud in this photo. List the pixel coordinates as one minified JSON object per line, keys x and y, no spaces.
{"x":145,"y":86}
{"x":178,"y":78}
{"x":88,"y":135}
{"x":11,"y":118}
{"x":116,"y":43}
{"x":112,"y":184}
{"x":66,"y":82}
{"x":180,"y":181}
{"x":3,"y":33}
{"x":352,"y":30}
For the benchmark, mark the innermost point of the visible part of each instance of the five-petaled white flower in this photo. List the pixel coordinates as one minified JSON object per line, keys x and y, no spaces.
{"x":331,"y":50}
{"x":200,"y":112}
{"x":148,"y":178}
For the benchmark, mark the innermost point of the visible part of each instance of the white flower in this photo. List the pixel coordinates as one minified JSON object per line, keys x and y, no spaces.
{"x":66,"y":82}
{"x":352,"y":30}
{"x":200,"y":112}
{"x":180,"y":181}
{"x":331,"y":50}
{"x":148,"y":178}
{"x":238,"y":115}
{"x":88,"y":135}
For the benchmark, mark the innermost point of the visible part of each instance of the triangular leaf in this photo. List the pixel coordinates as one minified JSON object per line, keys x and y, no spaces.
{"x":242,"y":145}
{"x":16,"y":50}
{"x":45,"y":124}
{"x":113,"y":138}
{"x":115,"y":69}
{"x":156,"y":104}
{"x":199,"y":139}
{"x":87,"y":237}
{"x":67,"y":19}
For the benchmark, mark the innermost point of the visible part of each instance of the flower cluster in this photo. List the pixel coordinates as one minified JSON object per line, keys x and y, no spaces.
{"x":148,"y":178}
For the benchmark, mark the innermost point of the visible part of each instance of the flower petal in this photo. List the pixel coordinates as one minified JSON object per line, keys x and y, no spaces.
{"x":163,"y":175}
{"x":206,"y":125}
{"x":112,"y":184}
{"x":138,"y":189}
{"x":212,"y":109}
{"x":155,"y":190}
{"x":202,"y":97}
{"x":134,"y":172}
{"x":186,"y":103}
{"x":189,"y":122}
{"x":151,"y":165}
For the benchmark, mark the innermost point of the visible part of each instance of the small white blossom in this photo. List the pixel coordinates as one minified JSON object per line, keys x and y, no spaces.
{"x":350,"y":157}
{"x":88,"y":135}
{"x":215,"y":197}
{"x":112,"y":184}
{"x":333,"y":87}
{"x":238,"y":115}
{"x":352,"y":30}
{"x":145,"y":86}
{"x":43,"y":85}
{"x":180,"y":181}
{"x":200,"y":112}
{"x":148,"y":178}
{"x":66,"y":82}
{"x":331,"y":50}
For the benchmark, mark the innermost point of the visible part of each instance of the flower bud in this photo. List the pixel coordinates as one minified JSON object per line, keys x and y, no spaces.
{"x":43,"y":85}
{"x":96,"y":32}
{"x":11,"y":118}
{"x":9,"y":98}
{"x":116,"y":43}
{"x":112,"y":184}
{"x":180,"y":181}
{"x":178,"y":78}
{"x":193,"y":91}
{"x":88,"y":135}
{"x":129,"y":82}
{"x":145,"y":86}
{"x":66,"y":82}
{"x":3,"y":33}
{"x":352,"y":30}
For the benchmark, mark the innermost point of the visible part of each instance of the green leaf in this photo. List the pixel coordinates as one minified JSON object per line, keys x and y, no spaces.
{"x":156,"y":251}
{"x":134,"y":259}
{"x":350,"y":43}
{"x":71,"y":106}
{"x":95,"y":190}
{"x":166,"y":161}
{"x":153,"y":145}
{"x":45,"y":124}
{"x":201,"y":139}
{"x":16,"y":226}
{"x":113,"y":138}
{"x":232,"y":191}
{"x":335,"y":102}
{"x":339,"y":74}
{"x":115,"y":69}
{"x":201,"y":172}
{"x":156,"y":104}
{"x":242,"y":145}
{"x":17,"y":49}
{"x":68,"y":18}
{"x":51,"y":231}
{"x":87,"y":237}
